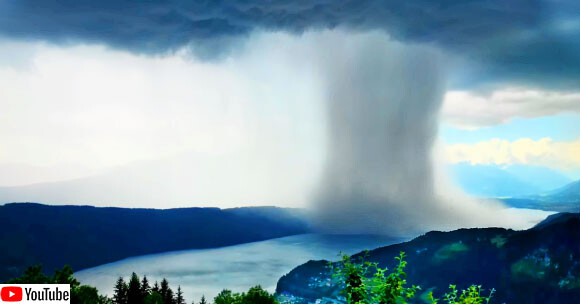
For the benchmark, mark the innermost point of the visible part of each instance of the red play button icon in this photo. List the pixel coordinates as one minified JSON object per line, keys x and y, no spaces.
{"x":11,"y":294}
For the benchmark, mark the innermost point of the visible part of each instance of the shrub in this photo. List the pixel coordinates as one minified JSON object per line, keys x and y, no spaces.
{"x":367,"y":283}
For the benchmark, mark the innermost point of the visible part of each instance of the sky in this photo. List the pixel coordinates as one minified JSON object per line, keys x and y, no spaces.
{"x":161,"y":104}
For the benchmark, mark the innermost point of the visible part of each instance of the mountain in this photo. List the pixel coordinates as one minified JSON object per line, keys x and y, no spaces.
{"x":84,"y":236}
{"x":234,"y":178}
{"x":568,"y":193}
{"x":520,"y":186}
{"x":539,"y":265}
{"x":566,"y":198}
{"x":505,"y":181}
{"x":555,"y":219}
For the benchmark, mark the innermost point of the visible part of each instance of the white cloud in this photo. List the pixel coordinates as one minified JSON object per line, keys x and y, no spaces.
{"x":470,"y":110}
{"x":544,"y":152}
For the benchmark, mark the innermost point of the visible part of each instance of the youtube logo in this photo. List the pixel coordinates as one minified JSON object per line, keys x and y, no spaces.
{"x":11,"y":294}
{"x":35,"y":293}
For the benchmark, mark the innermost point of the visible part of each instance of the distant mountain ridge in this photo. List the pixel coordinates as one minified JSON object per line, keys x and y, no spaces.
{"x":85,"y":236}
{"x":520,"y":186}
{"x":111,"y":187}
{"x":563,"y":199}
{"x":539,"y":265}
{"x":570,"y":192}
{"x":506,"y":181}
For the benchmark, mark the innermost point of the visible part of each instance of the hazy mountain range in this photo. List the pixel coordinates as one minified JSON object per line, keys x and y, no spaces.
{"x":520,"y":186}
{"x":113,"y":189}
{"x":506,"y":181}
{"x":566,"y":198}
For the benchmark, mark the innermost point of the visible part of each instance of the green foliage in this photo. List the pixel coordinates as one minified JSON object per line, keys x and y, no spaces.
{"x":498,"y":241}
{"x":381,"y":288}
{"x":255,"y":295}
{"x":225,"y":297}
{"x":353,"y":275}
{"x":86,"y":294}
{"x":65,"y":276}
{"x":449,"y":251}
{"x":364,"y":283}
{"x":471,"y":295}
{"x":32,"y":275}
{"x":534,"y":267}
{"x":390,"y":289}
{"x":367,"y":283}
{"x":153,"y":298}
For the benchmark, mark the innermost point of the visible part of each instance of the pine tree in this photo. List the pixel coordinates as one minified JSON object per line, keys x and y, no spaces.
{"x":164,"y":288}
{"x":156,"y":288}
{"x":134,"y":292}
{"x":65,"y":276}
{"x":202,"y":301}
{"x":145,"y":288}
{"x":166,"y":292}
{"x":121,"y":290}
{"x":179,"y":297}
{"x":170,"y":297}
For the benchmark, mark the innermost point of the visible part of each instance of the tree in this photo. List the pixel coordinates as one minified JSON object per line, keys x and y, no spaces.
{"x":85,"y":294}
{"x":179,"y":297}
{"x":380,"y":288}
{"x":145,"y":288}
{"x":224,"y":297}
{"x":164,"y":291}
{"x":153,"y":298}
{"x":202,"y":301}
{"x":156,"y":288}
{"x":471,"y":295}
{"x":134,"y":295}
{"x":121,"y":292}
{"x":65,"y":276}
{"x":79,"y":293}
{"x":104,"y":300}
{"x":391,"y":289}
{"x":170,"y":297}
{"x":353,"y":275}
{"x":32,"y":275}
{"x":257,"y":295}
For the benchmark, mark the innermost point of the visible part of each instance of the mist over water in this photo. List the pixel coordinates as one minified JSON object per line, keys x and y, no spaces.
{"x":383,"y":100}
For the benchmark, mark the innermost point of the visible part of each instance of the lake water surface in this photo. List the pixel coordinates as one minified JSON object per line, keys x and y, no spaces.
{"x":208,"y":271}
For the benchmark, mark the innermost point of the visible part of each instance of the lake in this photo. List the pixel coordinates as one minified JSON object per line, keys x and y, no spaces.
{"x":208,"y":271}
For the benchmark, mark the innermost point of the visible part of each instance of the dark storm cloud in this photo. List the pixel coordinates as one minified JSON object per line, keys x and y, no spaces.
{"x":509,"y":38}
{"x":156,"y":26}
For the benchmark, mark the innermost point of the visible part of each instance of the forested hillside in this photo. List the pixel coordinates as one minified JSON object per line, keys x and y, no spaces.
{"x":83,"y":236}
